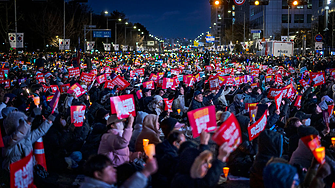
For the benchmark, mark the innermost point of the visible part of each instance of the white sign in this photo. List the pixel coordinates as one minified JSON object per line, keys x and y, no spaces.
{"x":284,"y":38}
{"x":90,"y":45}
{"x":116,"y":47}
{"x":125,"y":48}
{"x":130,"y":48}
{"x":150,"y":43}
{"x":318,"y":45}
{"x":107,"y":47}
{"x":15,"y":41}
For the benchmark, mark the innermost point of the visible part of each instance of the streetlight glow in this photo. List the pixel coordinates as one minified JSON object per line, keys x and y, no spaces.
{"x":126,"y":23}
{"x":120,"y":19}
{"x":295,"y":3}
{"x":106,"y":12}
{"x":134,"y":27}
{"x":256,"y":2}
{"x":217,"y":2}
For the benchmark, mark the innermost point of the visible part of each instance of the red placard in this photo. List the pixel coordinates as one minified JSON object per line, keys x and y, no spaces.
{"x":255,"y":72}
{"x":139,"y":94}
{"x":94,"y":72}
{"x":76,"y":89}
{"x":22,"y":172}
{"x":197,"y":77}
{"x":255,"y":129}
{"x":229,"y":132}
{"x":298,"y":101}
{"x":209,"y":68}
{"x":303,"y":82}
{"x":6,"y":82}
{"x":117,"y":81}
{"x":45,"y":88}
{"x":214,"y":84}
{"x":83,"y":66}
{"x":278,"y":99}
{"x":160,"y":75}
{"x":102,"y":78}
{"x":250,"y":105}
{"x":253,"y":85}
{"x":87,"y":77}
{"x":175,"y":71}
{"x":149,"y":85}
{"x":64,"y":88}
{"x":268,"y":78}
{"x":279,"y":79}
{"x":202,"y":119}
{"x":168,"y":83}
{"x":140,"y":72}
{"x":123,"y":106}
{"x":74,"y":72}
{"x":273,"y":92}
{"x":54,"y":88}
{"x":168,"y":104}
{"x":313,"y":142}
{"x":78,"y":115}
{"x":318,"y":78}
{"x":153,"y":77}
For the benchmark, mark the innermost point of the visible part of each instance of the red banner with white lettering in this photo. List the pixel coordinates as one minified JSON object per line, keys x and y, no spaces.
{"x":278,"y":100}
{"x":123,"y":106}
{"x":168,"y":83}
{"x":74,"y":72}
{"x":214,"y":84}
{"x":64,"y":88}
{"x":255,"y":129}
{"x":229,"y":132}
{"x":175,"y":72}
{"x":78,"y":115}
{"x":102,"y":78}
{"x":273,"y":92}
{"x":22,"y":172}
{"x":140,"y":71}
{"x":6,"y":82}
{"x":318,"y":78}
{"x":87,"y":77}
{"x":153,"y":77}
{"x":168,"y":104}
{"x":303,"y":82}
{"x":76,"y":89}
{"x":298,"y":101}
{"x":279,"y":79}
{"x":149,"y":85}
{"x":139,"y":94}
{"x":117,"y":81}
{"x":268,"y":78}
{"x":54,"y":88}
{"x":202,"y":119}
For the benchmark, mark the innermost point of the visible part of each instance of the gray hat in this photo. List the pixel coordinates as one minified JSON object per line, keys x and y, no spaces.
{"x":13,"y":121}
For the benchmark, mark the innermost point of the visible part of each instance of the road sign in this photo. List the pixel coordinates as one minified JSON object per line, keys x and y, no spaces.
{"x":318,"y":38}
{"x":318,"y":45}
{"x":239,"y":2}
{"x":102,"y":34}
{"x":256,"y":31}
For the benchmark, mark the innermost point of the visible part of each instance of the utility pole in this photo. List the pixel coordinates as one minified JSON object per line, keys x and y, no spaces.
{"x":15,"y":25}
{"x":288,"y":22}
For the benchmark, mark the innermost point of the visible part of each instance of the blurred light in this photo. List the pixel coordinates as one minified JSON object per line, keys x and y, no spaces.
{"x":256,"y":2}
{"x":295,"y":3}
{"x":229,"y":11}
{"x":106,"y":12}
{"x":139,"y":30}
{"x":217,"y":2}
{"x":120,"y":19}
{"x":126,"y":23}
{"x":134,"y":27}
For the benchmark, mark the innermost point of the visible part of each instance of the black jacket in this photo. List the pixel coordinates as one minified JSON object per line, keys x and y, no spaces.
{"x":195,"y":105}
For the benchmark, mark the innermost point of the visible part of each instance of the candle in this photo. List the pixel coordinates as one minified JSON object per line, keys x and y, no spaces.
{"x":36,"y":100}
{"x":320,"y":154}
{"x":226,"y":171}
{"x":178,"y":110}
{"x":333,"y":141}
{"x":150,"y":150}
{"x":145,"y":142}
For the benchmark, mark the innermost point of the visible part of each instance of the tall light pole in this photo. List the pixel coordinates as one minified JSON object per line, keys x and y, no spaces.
{"x":106,"y":13}
{"x":116,"y":29}
{"x":125,"y":33}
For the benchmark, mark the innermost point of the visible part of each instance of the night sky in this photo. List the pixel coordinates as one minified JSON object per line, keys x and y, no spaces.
{"x":168,"y":19}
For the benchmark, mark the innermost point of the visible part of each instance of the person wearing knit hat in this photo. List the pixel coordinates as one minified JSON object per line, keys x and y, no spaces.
{"x":280,"y":175}
{"x":169,"y":124}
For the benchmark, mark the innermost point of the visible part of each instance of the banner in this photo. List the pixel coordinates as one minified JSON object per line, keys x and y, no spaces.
{"x":90,"y":45}
{"x":54,"y":88}
{"x":140,"y":71}
{"x":15,"y":41}
{"x":175,"y":72}
{"x":87,"y":77}
{"x":168,"y":104}
{"x":117,"y":81}
{"x":278,"y":100}
{"x":76,"y":89}
{"x":102,"y":79}
{"x":229,"y":132}
{"x":168,"y":83}
{"x":318,"y":78}
{"x":273,"y":92}
{"x":74,"y":72}
{"x":54,"y":102}
{"x":22,"y":172}
{"x":298,"y":101}
{"x":214,"y":84}
{"x":139,"y":94}
{"x":255,"y":129}
{"x":78,"y":115}
{"x":107,"y":47}
{"x":6,"y":82}
{"x":209,"y":68}
{"x":279,"y":79}
{"x":268,"y":78}
{"x":116,"y":47}
{"x":149,"y":85}
{"x":303,"y":83}
{"x":202,"y":119}
{"x":123,"y":106}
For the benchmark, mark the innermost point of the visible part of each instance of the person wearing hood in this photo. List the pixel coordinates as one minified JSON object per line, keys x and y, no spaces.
{"x":145,"y":100}
{"x":197,"y":101}
{"x":114,"y":143}
{"x":280,"y":175}
{"x":237,"y":107}
{"x":20,"y":137}
{"x":198,"y":169}
{"x":179,"y":101}
{"x":270,"y":144}
{"x":150,"y":131}
{"x":137,"y":129}
{"x":156,"y":105}
{"x":291,"y":130}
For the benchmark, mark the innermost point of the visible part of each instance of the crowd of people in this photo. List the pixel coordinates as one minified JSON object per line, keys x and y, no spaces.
{"x":109,"y":150}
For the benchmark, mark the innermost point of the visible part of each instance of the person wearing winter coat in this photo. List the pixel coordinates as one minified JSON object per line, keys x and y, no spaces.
{"x":270,"y":144}
{"x":237,"y":107}
{"x":100,"y":173}
{"x":137,"y":129}
{"x":280,"y":175}
{"x":222,"y":97}
{"x":179,"y":101}
{"x":198,"y":169}
{"x":114,"y":143}
{"x":197,"y":101}
{"x":156,"y":105}
{"x":150,"y":131}
{"x":20,"y":137}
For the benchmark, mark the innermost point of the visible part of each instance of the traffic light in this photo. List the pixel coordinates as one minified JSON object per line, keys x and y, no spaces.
{"x":215,"y":2}
{"x":259,"y":2}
